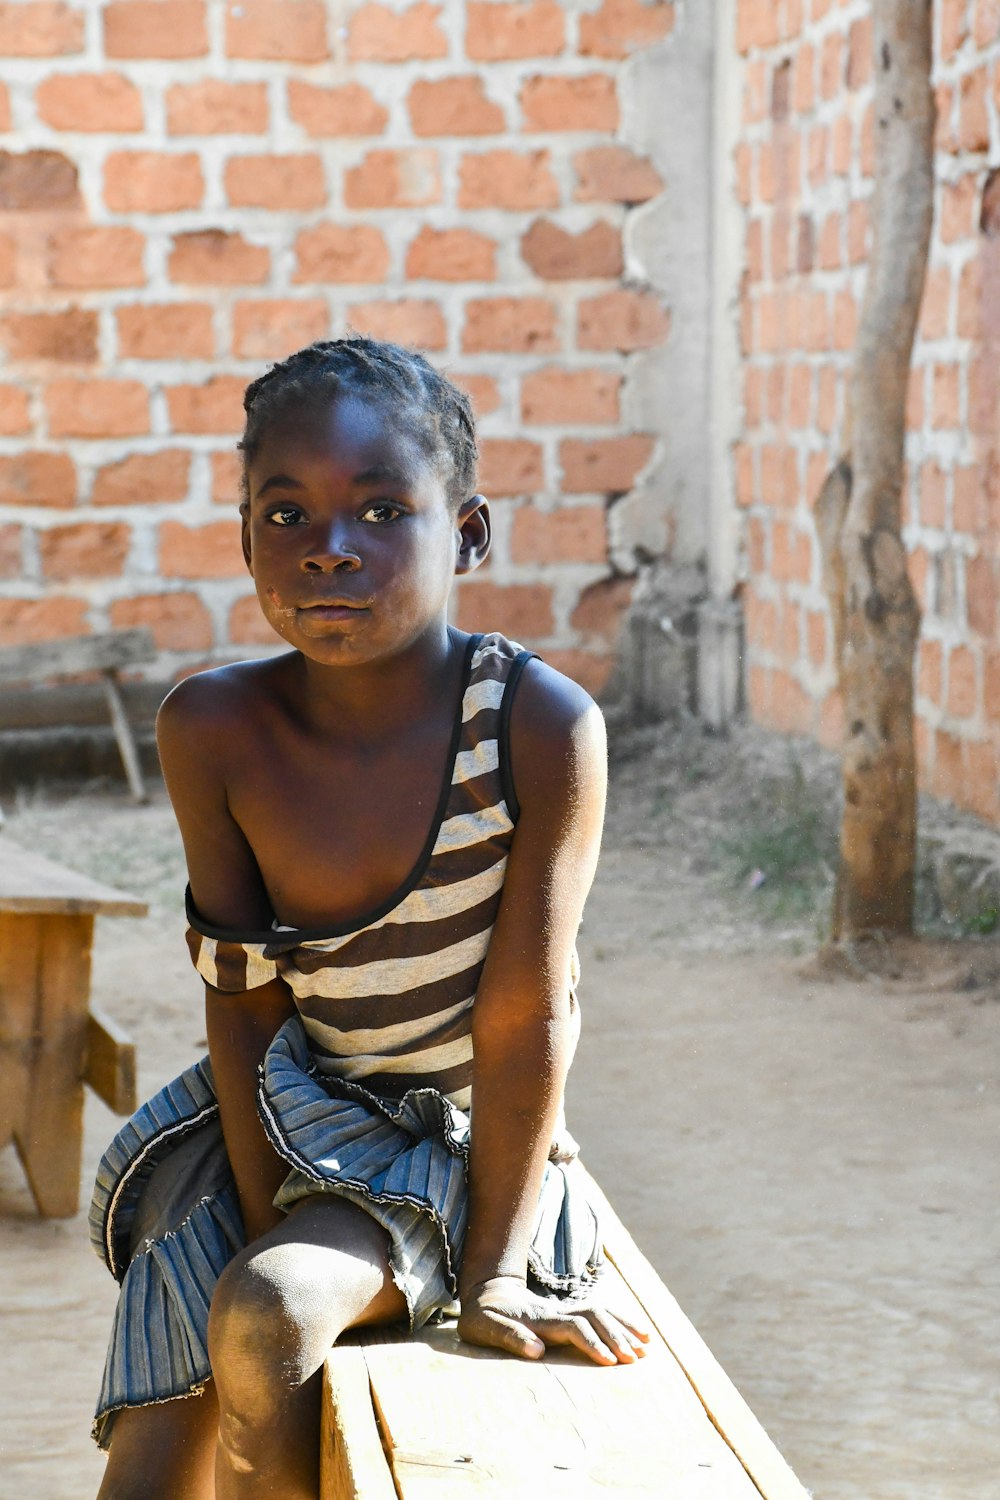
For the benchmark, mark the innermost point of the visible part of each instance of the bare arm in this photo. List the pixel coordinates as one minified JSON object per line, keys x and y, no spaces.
{"x":192,"y":728}
{"x":522,"y":1026}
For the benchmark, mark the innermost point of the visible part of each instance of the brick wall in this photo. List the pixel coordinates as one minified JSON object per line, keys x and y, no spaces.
{"x":804,"y":166}
{"x":189,"y":189}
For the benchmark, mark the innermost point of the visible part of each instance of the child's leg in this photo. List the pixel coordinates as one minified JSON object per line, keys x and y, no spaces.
{"x":279,"y":1307}
{"x":166,"y":1449}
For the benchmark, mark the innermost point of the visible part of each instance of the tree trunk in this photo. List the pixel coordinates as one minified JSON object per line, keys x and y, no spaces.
{"x":876,"y":618}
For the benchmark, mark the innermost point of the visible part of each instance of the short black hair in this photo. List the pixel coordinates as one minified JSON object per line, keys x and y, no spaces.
{"x":440,"y":414}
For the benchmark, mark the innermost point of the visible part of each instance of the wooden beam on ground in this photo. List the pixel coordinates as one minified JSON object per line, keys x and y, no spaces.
{"x":109,"y":1067}
{"x":75,"y":655}
{"x":352,"y":1463}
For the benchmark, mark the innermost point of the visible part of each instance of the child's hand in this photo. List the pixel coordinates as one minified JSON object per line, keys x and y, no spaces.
{"x":503,"y":1314}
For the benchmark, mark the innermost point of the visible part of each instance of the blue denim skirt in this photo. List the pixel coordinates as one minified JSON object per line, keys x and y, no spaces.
{"x":165,"y":1215}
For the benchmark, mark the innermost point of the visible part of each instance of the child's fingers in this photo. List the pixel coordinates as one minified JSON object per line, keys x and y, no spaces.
{"x":578,"y":1331}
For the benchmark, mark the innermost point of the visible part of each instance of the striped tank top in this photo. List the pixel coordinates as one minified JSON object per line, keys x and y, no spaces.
{"x":386,"y":1002}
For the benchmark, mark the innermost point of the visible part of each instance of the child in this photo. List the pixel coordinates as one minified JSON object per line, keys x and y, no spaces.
{"x":388,"y":823}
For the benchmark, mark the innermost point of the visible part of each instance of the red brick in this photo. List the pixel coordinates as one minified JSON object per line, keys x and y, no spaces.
{"x":614,"y":174}
{"x":791,"y":553}
{"x":89,"y":101}
{"x":496,"y":31}
{"x":97,"y":408}
{"x":394,"y":179}
{"x":510,"y":325}
{"x":953,"y":26}
{"x":622,"y":320}
{"x":969,"y":501}
{"x":284,"y":183}
{"x":37,"y":479}
{"x":378,"y":33}
{"x":558,"y":255}
{"x":507,"y":179}
{"x":144,"y":479}
{"x":215,"y":107}
{"x":609,"y":464}
{"x":96,"y":257}
{"x":216,"y":258}
{"x":602,"y":607}
{"x":11,"y":551}
{"x":959,"y":209}
{"x":962,"y":688}
{"x":454,"y":106}
{"x":215,"y":406}
{"x":974,"y":121}
{"x":349,"y":110}
{"x":155,"y":28}
{"x":804,"y":90}
{"x":451,"y":255}
{"x":778,"y":475}
{"x":247,"y":626}
{"x":588,"y":101}
{"x":37,"y":181}
{"x":211,"y":551}
{"x":88,"y":549}
{"x":15,"y":415}
{"x":969,"y":300}
{"x":946,"y":396}
{"x":570,"y":397}
{"x":335,"y":252}
{"x":411,"y":321}
{"x":278,"y":30}
{"x":587,"y":668}
{"x":32,"y":28}
{"x":23,"y":621}
{"x":620,"y":26}
{"x":275,"y":329}
{"x":981,"y":780}
{"x":481,"y":390}
{"x":69,"y":335}
{"x":166,"y":330}
{"x":991,"y":685}
{"x":859,"y":53}
{"x":933,"y":499}
{"x":227,"y":474}
{"x":522,"y":611}
{"x":929,"y":670}
{"x":981,"y":595}
{"x":986,"y":22}
{"x":8,"y":260}
{"x":576,"y":533}
{"x":179,"y":621}
{"x":510,"y":466}
{"x":152,"y":182}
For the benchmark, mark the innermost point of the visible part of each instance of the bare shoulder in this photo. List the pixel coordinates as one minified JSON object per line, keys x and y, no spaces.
{"x":215,"y":702}
{"x":558,"y":742}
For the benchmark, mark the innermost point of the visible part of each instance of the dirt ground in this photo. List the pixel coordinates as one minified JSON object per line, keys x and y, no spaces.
{"x":810,"y":1162}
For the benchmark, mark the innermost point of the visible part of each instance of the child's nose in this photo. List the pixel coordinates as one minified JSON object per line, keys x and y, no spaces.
{"x":331,"y":550}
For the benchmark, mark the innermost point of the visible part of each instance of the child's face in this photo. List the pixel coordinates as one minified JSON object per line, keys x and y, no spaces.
{"x":349,"y":534}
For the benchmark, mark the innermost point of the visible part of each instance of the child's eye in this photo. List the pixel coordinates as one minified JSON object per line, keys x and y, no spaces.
{"x":381,"y":511}
{"x":285,"y":515}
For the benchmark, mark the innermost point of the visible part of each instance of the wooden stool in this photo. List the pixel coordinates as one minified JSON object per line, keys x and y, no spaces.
{"x":51,"y":1042}
{"x":426,"y":1417}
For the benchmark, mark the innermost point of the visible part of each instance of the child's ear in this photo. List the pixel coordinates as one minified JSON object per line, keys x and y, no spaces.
{"x":245,"y":535}
{"x":475,"y":532}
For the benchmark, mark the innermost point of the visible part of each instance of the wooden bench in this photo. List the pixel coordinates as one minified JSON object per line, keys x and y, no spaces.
{"x":51,"y":1041}
{"x":105,"y":654}
{"x":429,"y":1418}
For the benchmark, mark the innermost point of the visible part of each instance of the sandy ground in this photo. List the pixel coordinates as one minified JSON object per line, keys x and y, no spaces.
{"x":810,"y":1164}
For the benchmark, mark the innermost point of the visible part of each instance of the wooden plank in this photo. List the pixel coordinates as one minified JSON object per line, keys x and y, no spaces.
{"x":719,"y":1396}
{"x":20,"y":949}
{"x":109,"y":1066}
{"x":461,"y":1423}
{"x":74,"y":654}
{"x":352,"y":1463}
{"x":49,"y":1135}
{"x":31,"y":883}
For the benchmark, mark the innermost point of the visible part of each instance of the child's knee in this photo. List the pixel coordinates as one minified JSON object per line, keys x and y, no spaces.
{"x":268,"y":1324}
